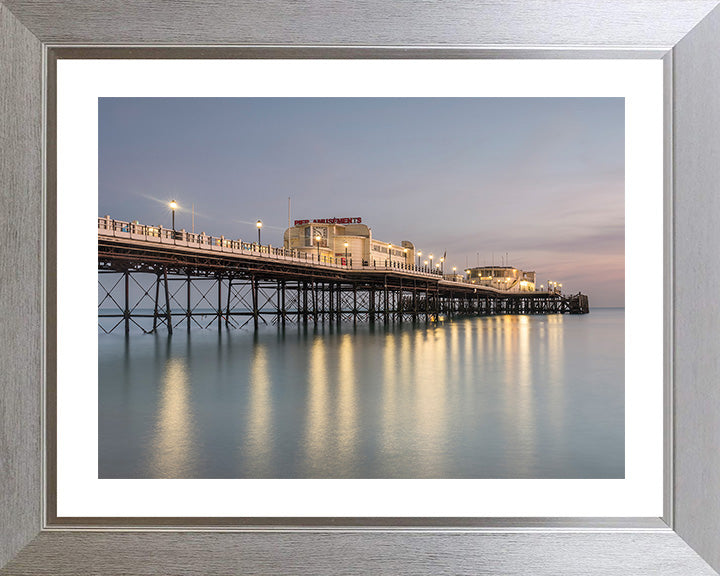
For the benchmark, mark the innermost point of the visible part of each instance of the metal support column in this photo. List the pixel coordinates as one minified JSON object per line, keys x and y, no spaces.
{"x":126,"y":312}
{"x":157,"y":297}
{"x":338,"y":303}
{"x":254,"y":289}
{"x":219,"y":302}
{"x":283,"y":312}
{"x":188,"y":310}
{"x":355,"y":309}
{"x":227,"y":308}
{"x":315,"y":302}
{"x":386,"y":303}
{"x":167,"y":304}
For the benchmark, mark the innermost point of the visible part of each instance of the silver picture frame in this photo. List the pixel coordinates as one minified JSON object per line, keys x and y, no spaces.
{"x":685,"y":34}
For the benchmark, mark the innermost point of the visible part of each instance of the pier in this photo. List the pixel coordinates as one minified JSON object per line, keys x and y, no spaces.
{"x":153,"y":277}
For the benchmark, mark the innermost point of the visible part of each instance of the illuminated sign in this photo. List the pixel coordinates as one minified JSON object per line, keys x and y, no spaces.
{"x":330,"y":221}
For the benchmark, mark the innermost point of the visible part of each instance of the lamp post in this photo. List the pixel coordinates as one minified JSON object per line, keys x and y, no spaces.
{"x":442,"y":265}
{"x":317,"y":239}
{"x":454,"y":272}
{"x":173,"y":207}
{"x":419,"y":254}
{"x":425,"y":263}
{"x":259,"y":227}
{"x":346,"y":247}
{"x":431,"y":257}
{"x":389,"y":260}
{"x":406,"y":253}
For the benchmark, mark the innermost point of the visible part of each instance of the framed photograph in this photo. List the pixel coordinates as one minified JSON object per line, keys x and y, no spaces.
{"x":363,"y":303}
{"x":323,"y":350}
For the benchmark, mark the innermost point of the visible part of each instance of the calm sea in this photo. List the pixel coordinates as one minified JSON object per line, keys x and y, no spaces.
{"x":492,"y":397}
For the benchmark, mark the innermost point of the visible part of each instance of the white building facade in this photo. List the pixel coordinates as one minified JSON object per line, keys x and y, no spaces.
{"x":502,"y":278}
{"x":346,"y":241}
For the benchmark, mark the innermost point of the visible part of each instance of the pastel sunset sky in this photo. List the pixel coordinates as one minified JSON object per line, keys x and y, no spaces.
{"x":541,"y":179}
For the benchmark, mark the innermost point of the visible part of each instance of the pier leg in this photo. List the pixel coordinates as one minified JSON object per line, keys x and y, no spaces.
{"x":400,"y":303}
{"x":299,"y":302}
{"x":254,"y":289}
{"x":219,"y":308}
{"x":157,"y":297}
{"x":387,"y":303}
{"x":371,"y":304}
{"x":281,"y":288}
{"x":305,"y":303}
{"x":355,"y":310}
{"x":126,"y":312}
{"x":427,"y":302}
{"x":167,"y":304}
{"x":315,"y":303}
{"x":338,"y":304}
{"x":227,"y":308}
{"x":415,"y":314}
{"x":188,"y":310}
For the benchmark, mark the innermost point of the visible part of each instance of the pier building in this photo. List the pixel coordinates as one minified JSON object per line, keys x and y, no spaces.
{"x":339,"y":239}
{"x":502,"y":278}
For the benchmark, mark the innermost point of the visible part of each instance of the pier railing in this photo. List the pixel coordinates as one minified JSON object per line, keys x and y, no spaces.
{"x":158,"y":234}
{"x":167,"y":236}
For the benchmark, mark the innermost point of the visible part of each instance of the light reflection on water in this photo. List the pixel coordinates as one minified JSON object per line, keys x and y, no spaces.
{"x":496,"y":397}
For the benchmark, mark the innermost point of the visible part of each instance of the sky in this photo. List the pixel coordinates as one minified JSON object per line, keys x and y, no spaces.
{"x":539,"y":179}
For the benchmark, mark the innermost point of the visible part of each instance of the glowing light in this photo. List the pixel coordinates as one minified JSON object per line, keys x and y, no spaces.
{"x":259,"y":224}
{"x":173,"y":205}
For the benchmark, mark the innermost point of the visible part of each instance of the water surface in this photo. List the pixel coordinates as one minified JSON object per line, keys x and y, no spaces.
{"x":491,"y":397}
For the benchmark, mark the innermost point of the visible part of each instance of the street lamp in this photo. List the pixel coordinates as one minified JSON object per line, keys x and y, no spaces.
{"x":259,"y":227}
{"x":425,"y":263}
{"x":419,"y":254}
{"x":346,"y":247}
{"x":431,"y":257}
{"x":173,"y":207}
{"x":406,"y":253}
{"x":317,"y":239}
{"x":442,"y":264}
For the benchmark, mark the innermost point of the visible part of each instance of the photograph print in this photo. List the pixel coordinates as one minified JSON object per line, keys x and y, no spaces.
{"x":361,"y":288}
